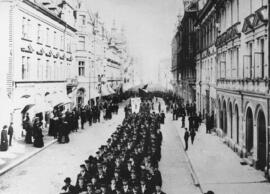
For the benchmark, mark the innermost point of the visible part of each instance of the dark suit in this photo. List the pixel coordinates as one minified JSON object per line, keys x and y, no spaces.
{"x":10,"y":133}
{"x":68,"y":190}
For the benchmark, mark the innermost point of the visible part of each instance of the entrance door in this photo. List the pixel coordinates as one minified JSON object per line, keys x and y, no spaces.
{"x":261,"y":140}
{"x":249,"y":130}
{"x":224,"y":118}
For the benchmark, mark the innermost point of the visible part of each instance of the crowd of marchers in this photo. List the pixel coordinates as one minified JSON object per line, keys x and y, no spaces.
{"x":128,"y":163}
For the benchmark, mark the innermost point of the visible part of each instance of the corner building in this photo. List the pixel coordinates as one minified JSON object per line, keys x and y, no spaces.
{"x":37,"y":55}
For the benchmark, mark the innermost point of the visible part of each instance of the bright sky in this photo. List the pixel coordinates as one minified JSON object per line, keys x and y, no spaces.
{"x":149,"y":27}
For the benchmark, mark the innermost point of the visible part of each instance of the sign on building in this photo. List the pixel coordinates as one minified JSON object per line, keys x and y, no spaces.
{"x":135,"y":105}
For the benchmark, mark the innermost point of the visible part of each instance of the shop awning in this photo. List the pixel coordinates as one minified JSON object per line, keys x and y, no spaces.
{"x":111,"y":90}
{"x":43,"y":107}
{"x":126,"y":87}
{"x":23,"y":101}
{"x":94,"y":93}
{"x":57,"y":99}
{"x":105,"y":91}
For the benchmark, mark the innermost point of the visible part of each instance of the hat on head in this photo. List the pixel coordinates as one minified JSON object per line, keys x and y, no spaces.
{"x":103,"y":185}
{"x":82,"y":166}
{"x":67,"y":180}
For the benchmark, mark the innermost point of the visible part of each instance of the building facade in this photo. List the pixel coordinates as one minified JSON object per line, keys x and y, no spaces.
{"x":206,"y":33}
{"x":186,"y":62}
{"x":242,"y":74}
{"x":233,"y":73}
{"x":116,"y":58}
{"x":40,"y":57}
{"x":175,"y":56}
{"x":85,"y":56}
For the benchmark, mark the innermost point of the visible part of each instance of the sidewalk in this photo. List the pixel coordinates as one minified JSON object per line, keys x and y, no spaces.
{"x":218,"y":168}
{"x":20,"y":152}
{"x":176,"y":173}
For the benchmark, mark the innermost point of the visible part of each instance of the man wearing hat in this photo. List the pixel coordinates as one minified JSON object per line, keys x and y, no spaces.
{"x":83,"y":175}
{"x":158,"y":189}
{"x":81,"y":186}
{"x":103,"y":189}
{"x":126,"y":189}
{"x":117,"y":177}
{"x":94,"y":183}
{"x":143,"y":188}
{"x":68,"y":188}
{"x":90,"y":189}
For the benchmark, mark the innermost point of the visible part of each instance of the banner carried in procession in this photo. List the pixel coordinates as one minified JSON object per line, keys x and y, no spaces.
{"x":135,"y":105}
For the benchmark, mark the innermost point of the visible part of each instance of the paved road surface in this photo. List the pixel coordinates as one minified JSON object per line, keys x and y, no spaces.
{"x":174,"y":166}
{"x":45,"y":172}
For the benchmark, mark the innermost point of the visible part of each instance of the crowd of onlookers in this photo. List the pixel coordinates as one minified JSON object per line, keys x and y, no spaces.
{"x":128,"y":163}
{"x":61,"y":122}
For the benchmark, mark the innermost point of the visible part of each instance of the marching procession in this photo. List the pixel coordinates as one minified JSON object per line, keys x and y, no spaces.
{"x":128,"y":163}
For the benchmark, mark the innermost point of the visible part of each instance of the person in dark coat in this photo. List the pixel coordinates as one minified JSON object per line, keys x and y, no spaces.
{"x":143,"y":188}
{"x":4,"y":139}
{"x":83,"y":117}
{"x":183,"y":121}
{"x":83,"y":175}
{"x":66,"y":132}
{"x":98,"y":114}
{"x":90,"y":116}
{"x":61,"y":133}
{"x":186,"y":137}
{"x":68,"y":188}
{"x":28,"y":128}
{"x":158,"y":190}
{"x":38,"y":136}
{"x":10,"y":133}
{"x":192,"y":134}
{"x":81,"y":186}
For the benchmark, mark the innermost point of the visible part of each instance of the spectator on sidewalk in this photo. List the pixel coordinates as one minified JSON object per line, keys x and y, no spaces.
{"x":183,"y":121}
{"x":192,"y":135}
{"x":68,"y":188}
{"x":186,"y":137}
{"x":83,"y":117}
{"x":10,"y":133}
{"x":37,"y":133}
{"x":28,"y":128}
{"x":4,"y":139}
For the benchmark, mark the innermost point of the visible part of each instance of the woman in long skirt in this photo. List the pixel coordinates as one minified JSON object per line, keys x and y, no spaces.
{"x":28,"y":128}
{"x":38,"y":136}
{"x":4,"y":139}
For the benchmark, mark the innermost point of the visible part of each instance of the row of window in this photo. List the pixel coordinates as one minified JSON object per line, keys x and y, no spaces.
{"x":229,"y":15}
{"x":253,"y":62}
{"x":44,"y":70}
{"x":45,"y":35}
